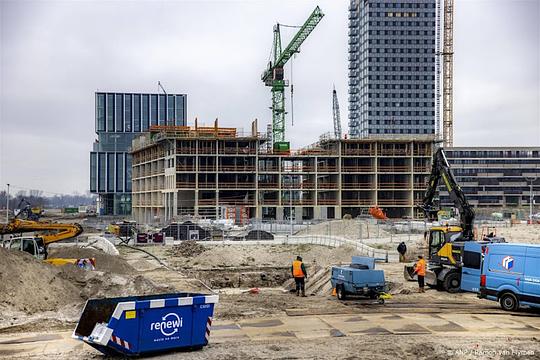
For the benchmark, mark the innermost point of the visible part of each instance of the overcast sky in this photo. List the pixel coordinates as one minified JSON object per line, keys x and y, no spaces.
{"x":55,"y":55}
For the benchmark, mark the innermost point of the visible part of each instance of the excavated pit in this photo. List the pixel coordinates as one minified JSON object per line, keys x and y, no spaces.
{"x":267,"y":277}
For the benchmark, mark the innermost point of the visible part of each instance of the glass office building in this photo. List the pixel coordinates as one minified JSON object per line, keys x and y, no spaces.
{"x":494,"y":177}
{"x":392,"y":67}
{"x":119,"y":118}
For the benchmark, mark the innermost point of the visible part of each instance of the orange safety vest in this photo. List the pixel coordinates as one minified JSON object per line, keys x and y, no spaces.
{"x":421,"y":267}
{"x":297,"y":268}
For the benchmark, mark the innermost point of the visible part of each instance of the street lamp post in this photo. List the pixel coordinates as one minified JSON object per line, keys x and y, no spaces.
{"x":115,"y":137}
{"x":531,"y":196}
{"x":7,"y":205}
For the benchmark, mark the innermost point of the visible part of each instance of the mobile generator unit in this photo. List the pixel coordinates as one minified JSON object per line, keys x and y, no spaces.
{"x":142,"y":325}
{"x":359,"y":278}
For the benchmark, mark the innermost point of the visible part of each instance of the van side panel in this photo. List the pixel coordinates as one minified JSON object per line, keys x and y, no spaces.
{"x":531,"y":278}
{"x":505,"y":268}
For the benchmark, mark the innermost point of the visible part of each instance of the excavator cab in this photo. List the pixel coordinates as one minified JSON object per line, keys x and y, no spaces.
{"x":30,"y":244}
{"x":445,"y":243}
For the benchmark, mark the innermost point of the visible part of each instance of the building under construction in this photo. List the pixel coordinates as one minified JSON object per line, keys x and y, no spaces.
{"x":214,"y":172}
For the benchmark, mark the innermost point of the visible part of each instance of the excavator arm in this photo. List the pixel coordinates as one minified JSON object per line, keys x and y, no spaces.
{"x":49,"y":231}
{"x":441,"y":170}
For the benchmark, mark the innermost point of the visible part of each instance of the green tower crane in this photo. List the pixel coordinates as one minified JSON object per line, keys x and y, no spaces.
{"x":274,"y":76}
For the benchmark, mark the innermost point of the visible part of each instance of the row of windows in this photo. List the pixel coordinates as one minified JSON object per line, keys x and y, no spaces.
{"x":401,"y":77}
{"x":401,"y":59}
{"x":400,"y":5}
{"x":498,"y":180}
{"x":401,"y":96}
{"x":402,"y":113}
{"x":401,"y":68}
{"x":493,"y":154}
{"x":137,"y":112}
{"x":110,"y":172}
{"x":520,"y":162}
{"x":503,"y":171}
{"x":393,"y":86}
{"x":401,"y":104}
{"x":401,"y":32}
{"x":401,"y":131}
{"x":401,"y":122}
{"x":353,"y":40}
{"x":377,"y":50}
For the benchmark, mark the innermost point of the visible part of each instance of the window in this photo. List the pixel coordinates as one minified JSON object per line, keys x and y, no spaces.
{"x":127,"y":112}
{"x":145,"y":123}
{"x":102,"y":169}
{"x":100,"y":113}
{"x":153,"y":110}
{"x":136,"y":113}
{"x":93,"y":172}
{"x":110,"y":172}
{"x":162,"y":110}
{"x":119,"y":118}
{"x":110,"y":112}
{"x":120,"y":172}
{"x":128,"y":173}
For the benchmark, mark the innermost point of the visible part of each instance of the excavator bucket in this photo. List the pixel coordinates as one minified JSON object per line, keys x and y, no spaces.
{"x":408,"y":273}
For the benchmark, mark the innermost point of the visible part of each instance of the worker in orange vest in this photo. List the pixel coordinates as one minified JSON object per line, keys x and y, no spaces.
{"x":299,"y":274}
{"x":420,"y":270}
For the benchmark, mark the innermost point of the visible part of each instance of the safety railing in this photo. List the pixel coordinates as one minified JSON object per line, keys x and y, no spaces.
{"x":357,"y":168}
{"x":357,"y":185}
{"x":266,"y":185}
{"x":302,"y":185}
{"x":237,"y":168}
{"x":394,"y":202}
{"x":394,"y":168}
{"x":327,"y":201}
{"x":357,"y":202}
{"x":239,"y":185}
{"x":321,"y":185}
{"x":393,"y":185}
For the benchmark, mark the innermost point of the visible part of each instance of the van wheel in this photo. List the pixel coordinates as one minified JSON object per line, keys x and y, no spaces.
{"x":509,"y":301}
{"x":451,"y":282}
{"x":340,"y":292}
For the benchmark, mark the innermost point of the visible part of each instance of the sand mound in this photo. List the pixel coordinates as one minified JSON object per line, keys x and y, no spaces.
{"x":104,"y":261}
{"x":349,"y":229}
{"x":30,"y":285}
{"x":187,"y":248}
{"x":234,"y":256}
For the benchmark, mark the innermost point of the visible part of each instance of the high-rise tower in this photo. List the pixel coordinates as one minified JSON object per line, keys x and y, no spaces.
{"x":392,"y":69}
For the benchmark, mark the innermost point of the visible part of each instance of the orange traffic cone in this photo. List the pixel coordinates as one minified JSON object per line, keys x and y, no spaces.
{"x":333,"y":291}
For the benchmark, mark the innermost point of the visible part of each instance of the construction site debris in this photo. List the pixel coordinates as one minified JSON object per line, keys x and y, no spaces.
{"x":30,"y":285}
{"x":104,"y":261}
{"x":187,"y":248}
{"x":349,"y":229}
{"x":186,"y":231}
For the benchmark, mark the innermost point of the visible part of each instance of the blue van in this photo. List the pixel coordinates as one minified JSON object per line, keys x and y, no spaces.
{"x":511,"y":275}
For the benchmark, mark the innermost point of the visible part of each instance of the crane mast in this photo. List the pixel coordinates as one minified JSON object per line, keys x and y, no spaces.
{"x":273,"y":76}
{"x":335,"y":111}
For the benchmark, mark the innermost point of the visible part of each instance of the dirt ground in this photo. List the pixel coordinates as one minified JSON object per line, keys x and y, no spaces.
{"x":39,"y":298}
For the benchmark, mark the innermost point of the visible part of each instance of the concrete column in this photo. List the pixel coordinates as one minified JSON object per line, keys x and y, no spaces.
{"x":279,"y":213}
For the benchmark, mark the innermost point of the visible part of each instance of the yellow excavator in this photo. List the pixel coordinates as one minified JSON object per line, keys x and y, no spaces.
{"x":47,"y":233}
{"x":450,"y":247}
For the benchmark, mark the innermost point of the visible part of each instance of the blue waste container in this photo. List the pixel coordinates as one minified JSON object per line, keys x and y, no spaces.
{"x":140,"y":325}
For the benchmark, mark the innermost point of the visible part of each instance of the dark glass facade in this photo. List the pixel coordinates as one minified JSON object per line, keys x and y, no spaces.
{"x":120,"y":117}
{"x":495,"y":177}
{"x":392,"y":67}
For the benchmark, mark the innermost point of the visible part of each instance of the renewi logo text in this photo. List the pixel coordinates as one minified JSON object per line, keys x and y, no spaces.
{"x":169,"y":324}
